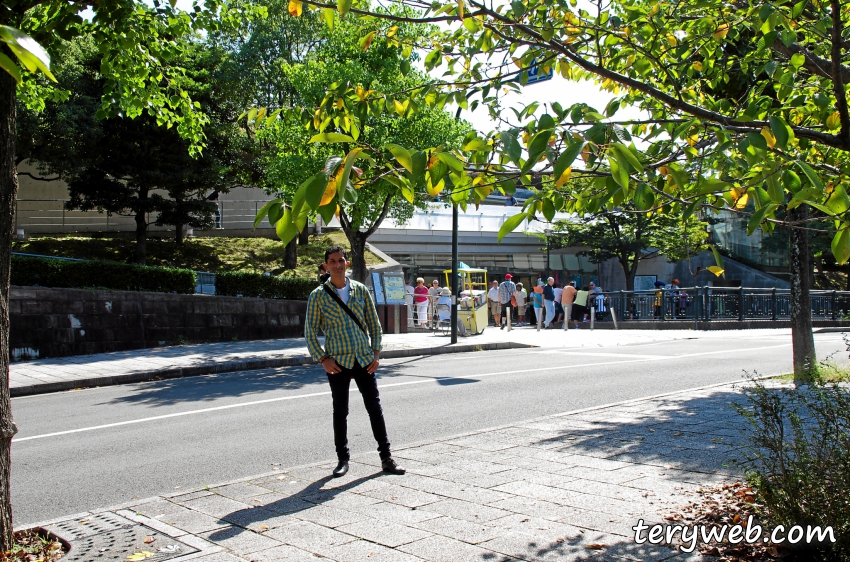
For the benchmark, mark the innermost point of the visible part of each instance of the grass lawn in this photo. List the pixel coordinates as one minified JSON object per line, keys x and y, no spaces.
{"x":201,"y":254}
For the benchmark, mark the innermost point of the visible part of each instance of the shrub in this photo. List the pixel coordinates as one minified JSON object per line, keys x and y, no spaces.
{"x":798,"y":460}
{"x":242,"y":284}
{"x":47,"y":272}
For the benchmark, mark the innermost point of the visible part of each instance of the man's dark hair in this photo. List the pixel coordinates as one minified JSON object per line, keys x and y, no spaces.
{"x":333,"y":250}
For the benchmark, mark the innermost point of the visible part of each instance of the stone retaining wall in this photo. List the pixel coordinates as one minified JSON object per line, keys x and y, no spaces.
{"x":58,"y":322}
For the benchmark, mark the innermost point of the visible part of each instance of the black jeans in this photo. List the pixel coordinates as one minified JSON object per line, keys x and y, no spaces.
{"x":368,"y":386}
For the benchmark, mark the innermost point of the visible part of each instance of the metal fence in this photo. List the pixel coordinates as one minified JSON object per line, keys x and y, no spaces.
{"x":719,"y":303}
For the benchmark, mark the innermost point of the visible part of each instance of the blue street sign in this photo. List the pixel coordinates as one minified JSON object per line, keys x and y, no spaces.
{"x":534,"y":74}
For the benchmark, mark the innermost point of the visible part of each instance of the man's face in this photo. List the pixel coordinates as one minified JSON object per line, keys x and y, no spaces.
{"x":337,"y":264}
{"x":551,"y":282}
{"x":592,"y":285}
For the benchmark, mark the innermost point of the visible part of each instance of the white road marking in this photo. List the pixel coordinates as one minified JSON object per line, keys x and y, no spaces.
{"x":383,"y":386}
{"x":580,"y":353}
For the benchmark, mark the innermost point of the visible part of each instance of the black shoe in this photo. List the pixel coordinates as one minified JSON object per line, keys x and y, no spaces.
{"x":391,"y":467}
{"x":341,"y":469}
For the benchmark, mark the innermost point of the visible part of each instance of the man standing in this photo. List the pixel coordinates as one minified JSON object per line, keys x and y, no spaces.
{"x":343,"y":310}
{"x":507,"y":288}
{"x":493,"y":300}
{"x":549,"y":302}
{"x":567,"y":298}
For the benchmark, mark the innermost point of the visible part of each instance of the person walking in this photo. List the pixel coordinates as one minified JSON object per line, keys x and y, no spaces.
{"x":408,"y":301}
{"x":537,"y":303}
{"x":433,"y":294}
{"x":596,"y":300}
{"x":567,"y":298}
{"x":580,"y":305}
{"x":659,"y":299}
{"x":420,"y":297}
{"x":507,"y":289}
{"x":549,"y":302}
{"x":343,"y":309}
{"x":493,"y":301}
{"x":521,"y":301}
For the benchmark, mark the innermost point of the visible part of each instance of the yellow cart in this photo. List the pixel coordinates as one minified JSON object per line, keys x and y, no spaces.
{"x":472,"y":303}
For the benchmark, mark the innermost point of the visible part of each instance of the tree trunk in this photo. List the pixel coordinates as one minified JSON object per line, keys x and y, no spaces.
{"x":8,"y":195}
{"x":629,"y":271}
{"x":357,"y":239}
{"x":141,"y":230}
{"x":802,"y":339}
{"x":304,"y":236}
{"x":178,"y":237}
{"x":290,"y":258}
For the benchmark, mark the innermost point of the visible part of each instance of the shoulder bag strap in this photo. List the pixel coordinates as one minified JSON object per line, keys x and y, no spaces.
{"x":347,"y":310}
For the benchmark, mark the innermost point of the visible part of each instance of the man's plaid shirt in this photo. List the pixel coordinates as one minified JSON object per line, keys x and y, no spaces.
{"x":506,"y":291}
{"x":344,"y":340}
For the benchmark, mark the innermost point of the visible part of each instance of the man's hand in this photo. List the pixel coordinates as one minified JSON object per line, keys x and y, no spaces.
{"x":330,"y":365}
{"x":373,"y":366}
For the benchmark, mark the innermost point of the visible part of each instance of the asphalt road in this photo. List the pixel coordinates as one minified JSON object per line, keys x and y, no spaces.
{"x":95,"y":448}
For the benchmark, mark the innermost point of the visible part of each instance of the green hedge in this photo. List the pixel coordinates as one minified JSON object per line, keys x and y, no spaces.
{"x":47,"y":272}
{"x":236,"y":284}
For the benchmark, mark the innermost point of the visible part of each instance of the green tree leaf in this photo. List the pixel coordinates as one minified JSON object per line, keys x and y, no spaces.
{"x":511,"y":224}
{"x":328,"y":137}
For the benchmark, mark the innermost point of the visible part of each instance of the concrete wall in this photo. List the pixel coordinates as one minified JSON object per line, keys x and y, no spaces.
{"x":57,"y":322}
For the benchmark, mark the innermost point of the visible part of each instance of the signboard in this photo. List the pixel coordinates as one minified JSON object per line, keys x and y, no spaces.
{"x":377,"y":288}
{"x":535,"y":75}
{"x":645,"y":282}
{"x":394,"y":288}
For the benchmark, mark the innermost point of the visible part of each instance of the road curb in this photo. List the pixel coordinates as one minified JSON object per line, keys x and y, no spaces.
{"x":244,"y":365}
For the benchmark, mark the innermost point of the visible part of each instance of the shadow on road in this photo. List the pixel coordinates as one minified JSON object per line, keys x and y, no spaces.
{"x":208,"y":388}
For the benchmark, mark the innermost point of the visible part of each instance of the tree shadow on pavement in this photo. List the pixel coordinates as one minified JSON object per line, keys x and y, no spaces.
{"x":662,"y":450}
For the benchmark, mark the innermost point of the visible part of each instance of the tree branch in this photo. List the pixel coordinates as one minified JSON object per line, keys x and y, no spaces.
{"x":537,"y":40}
{"x":381,"y":217}
{"x":38,"y":178}
{"x":814,"y":64}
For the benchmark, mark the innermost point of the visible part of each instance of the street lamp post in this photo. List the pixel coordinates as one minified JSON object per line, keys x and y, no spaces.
{"x":548,"y":232}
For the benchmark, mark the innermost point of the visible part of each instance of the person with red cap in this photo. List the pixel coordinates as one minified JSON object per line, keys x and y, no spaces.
{"x":507,"y":288}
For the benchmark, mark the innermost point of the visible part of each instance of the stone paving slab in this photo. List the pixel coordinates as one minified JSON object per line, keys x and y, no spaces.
{"x":125,"y":367}
{"x":459,"y":501}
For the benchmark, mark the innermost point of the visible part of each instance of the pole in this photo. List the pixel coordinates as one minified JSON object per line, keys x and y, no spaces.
{"x":741,"y":303}
{"x":773,"y":302}
{"x":455,"y":284}
{"x":548,"y":274}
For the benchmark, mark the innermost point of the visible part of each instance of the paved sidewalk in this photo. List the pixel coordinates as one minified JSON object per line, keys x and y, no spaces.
{"x":67,"y":373}
{"x":560,"y":488}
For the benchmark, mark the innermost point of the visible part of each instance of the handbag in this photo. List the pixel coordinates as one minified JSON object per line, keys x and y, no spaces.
{"x":347,"y":310}
{"x":513,"y":300}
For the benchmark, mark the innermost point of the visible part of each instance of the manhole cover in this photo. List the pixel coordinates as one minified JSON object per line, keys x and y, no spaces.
{"x":108,"y":537}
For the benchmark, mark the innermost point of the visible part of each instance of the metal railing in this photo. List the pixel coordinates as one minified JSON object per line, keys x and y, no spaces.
{"x":720,"y":303}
